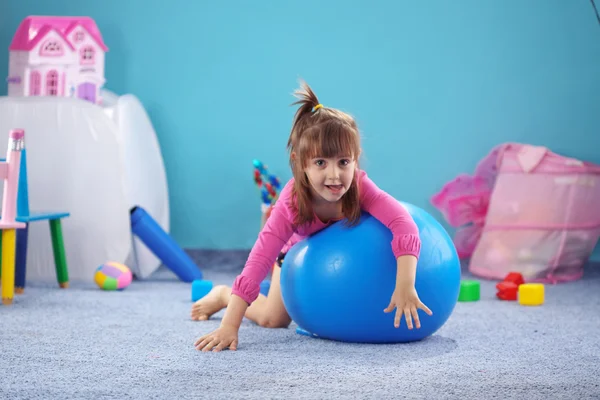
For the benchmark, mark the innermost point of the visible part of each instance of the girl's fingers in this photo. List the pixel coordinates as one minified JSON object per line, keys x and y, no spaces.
{"x":397,"y":318}
{"x":221,"y":346}
{"x":199,"y":340}
{"x":415,"y":316}
{"x":425,"y":308}
{"x":408,"y":318}
{"x":211,"y":344}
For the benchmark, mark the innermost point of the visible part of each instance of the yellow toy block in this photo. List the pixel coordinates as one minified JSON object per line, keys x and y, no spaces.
{"x":531,"y":294}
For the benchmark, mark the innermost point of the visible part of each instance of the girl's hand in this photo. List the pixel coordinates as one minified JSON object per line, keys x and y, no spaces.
{"x":406,"y":301}
{"x":219,"y":339}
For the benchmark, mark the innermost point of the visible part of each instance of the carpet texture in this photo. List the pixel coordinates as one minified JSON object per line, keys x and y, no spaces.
{"x":84,"y":343}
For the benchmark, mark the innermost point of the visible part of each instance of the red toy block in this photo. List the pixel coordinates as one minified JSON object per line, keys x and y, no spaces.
{"x":506,"y":286}
{"x":507,"y":290}
{"x":515,"y":277}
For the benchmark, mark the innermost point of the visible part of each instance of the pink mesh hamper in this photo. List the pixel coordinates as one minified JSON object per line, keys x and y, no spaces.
{"x":528,"y":210}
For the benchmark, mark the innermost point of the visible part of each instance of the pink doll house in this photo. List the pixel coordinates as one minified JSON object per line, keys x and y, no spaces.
{"x":57,"y":56}
{"x":526,"y":209}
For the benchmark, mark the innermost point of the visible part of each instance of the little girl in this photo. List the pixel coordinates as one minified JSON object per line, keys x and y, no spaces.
{"x":327,"y":186}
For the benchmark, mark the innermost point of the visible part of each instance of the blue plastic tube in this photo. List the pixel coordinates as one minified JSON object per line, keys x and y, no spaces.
{"x":163,"y":245}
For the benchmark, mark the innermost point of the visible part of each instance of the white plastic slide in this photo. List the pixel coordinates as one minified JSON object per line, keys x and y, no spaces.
{"x":144,"y":170}
{"x":74,"y":164}
{"x":96,"y":163}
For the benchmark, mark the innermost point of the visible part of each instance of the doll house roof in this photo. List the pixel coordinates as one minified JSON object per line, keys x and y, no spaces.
{"x":34,"y":28}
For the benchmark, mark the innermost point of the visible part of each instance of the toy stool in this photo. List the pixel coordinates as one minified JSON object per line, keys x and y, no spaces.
{"x":9,"y":173}
{"x":25,"y":216}
{"x":531,"y":294}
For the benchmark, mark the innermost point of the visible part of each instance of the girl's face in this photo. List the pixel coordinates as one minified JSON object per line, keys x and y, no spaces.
{"x":330,"y":178}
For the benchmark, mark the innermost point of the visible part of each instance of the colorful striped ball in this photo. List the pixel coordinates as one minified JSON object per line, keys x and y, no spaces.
{"x":113,"y":276}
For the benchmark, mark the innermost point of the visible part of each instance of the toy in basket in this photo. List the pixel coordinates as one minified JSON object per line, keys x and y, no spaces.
{"x":525,"y":209}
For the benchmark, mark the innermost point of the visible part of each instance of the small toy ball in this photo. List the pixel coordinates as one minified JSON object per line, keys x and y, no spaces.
{"x":113,"y":276}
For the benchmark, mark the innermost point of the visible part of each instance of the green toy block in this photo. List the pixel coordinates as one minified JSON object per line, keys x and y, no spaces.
{"x":469,"y":291}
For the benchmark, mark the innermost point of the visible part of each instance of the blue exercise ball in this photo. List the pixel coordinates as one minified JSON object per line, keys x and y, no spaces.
{"x":336,"y":283}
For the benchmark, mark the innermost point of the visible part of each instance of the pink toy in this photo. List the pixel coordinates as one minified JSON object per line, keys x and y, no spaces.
{"x":57,"y":56}
{"x":526,"y":209}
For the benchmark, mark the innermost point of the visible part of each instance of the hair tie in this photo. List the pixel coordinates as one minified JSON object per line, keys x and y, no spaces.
{"x":317,"y":107}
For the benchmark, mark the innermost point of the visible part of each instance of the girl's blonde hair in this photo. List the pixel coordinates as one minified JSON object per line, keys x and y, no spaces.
{"x":319,"y":131}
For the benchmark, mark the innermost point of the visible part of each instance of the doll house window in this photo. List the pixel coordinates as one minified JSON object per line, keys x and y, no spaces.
{"x":52,"y":83}
{"x":79,"y":36}
{"x":35,"y":83}
{"x":87,"y":55}
{"x":51,"y":48}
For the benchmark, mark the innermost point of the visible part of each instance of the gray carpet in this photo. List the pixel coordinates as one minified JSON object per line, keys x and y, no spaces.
{"x":84,"y":343}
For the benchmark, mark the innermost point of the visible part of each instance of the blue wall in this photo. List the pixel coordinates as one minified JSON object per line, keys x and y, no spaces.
{"x":434,"y":86}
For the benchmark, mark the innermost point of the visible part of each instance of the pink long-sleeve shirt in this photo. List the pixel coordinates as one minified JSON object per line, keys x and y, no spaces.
{"x":280,"y":233}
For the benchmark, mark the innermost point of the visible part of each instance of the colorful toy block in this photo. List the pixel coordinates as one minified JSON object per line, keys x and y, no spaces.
{"x":508,"y":288}
{"x":515,"y":277}
{"x":531,"y":294}
{"x":469,"y":291}
{"x":200,"y":288}
{"x":507,"y":291}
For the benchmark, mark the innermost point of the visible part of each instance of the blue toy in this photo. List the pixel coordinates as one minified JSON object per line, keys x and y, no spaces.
{"x":336,"y":283}
{"x":163,"y":245}
{"x":200,"y":288}
{"x":264,"y":287}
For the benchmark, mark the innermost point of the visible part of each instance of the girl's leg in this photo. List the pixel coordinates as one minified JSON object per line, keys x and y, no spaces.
{"x":267,"y":311}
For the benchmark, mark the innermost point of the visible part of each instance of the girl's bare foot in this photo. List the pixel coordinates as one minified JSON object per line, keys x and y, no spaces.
{"x":213,"y":302}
